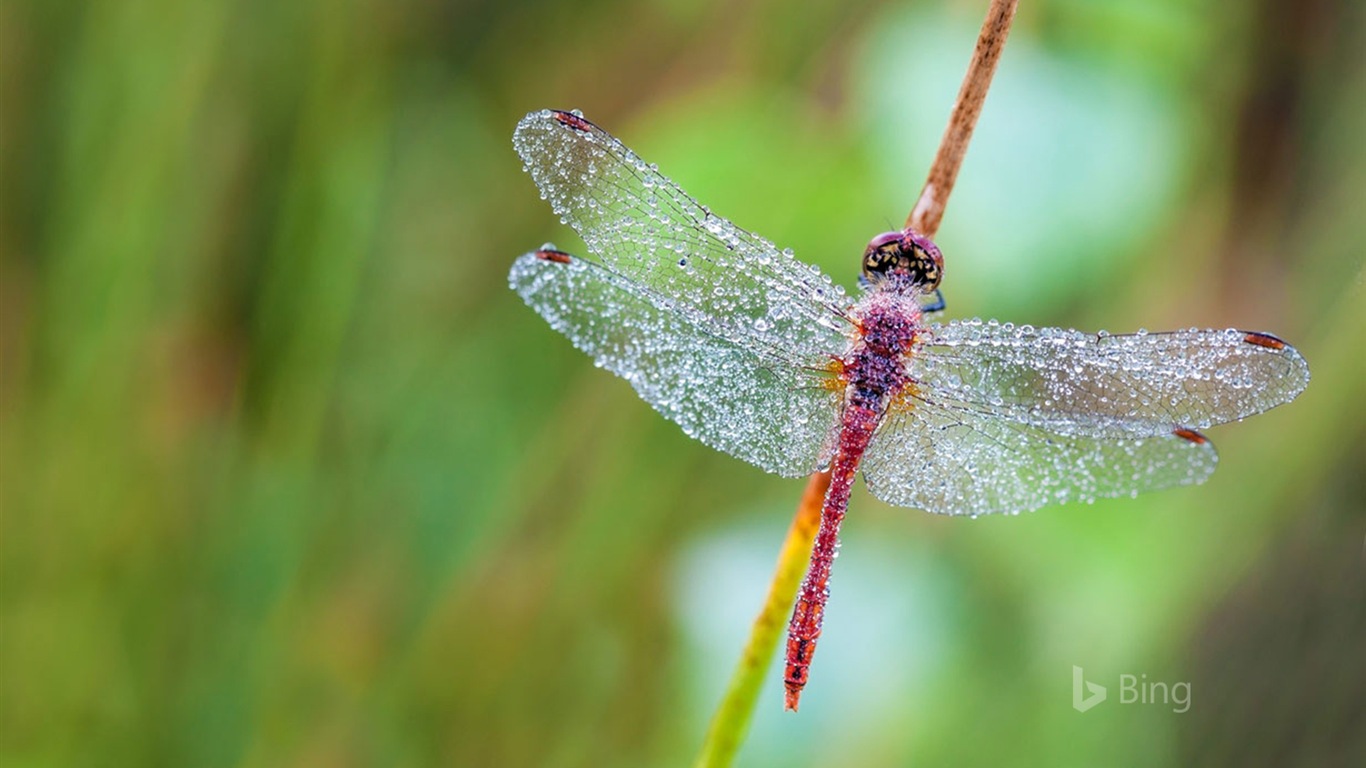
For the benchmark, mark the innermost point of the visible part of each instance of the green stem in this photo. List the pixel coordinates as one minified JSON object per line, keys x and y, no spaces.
{"x":731,"y":722}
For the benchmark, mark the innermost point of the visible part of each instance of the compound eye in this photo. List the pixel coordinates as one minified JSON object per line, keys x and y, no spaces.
{"x":926,"y":262}
{"x":909,"y":257}
{"x":883,"y":254}
{"x":926,"y":269}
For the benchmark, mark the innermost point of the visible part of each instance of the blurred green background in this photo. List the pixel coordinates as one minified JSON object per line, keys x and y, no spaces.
{"x":290,"y":477}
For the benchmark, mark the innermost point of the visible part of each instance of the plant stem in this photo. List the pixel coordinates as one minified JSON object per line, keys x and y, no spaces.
{"x":731,"y":721}
{"x":929,"y":209}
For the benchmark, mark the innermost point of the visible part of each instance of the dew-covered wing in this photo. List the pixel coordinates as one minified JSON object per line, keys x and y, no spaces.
{"x":1142,"y":384}
{"x":643,"y":227}
{"x":958,"y":461}
{"x":761,"y":408}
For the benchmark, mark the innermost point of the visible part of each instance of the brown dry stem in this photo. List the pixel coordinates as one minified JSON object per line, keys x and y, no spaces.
{"x":929,"y":209}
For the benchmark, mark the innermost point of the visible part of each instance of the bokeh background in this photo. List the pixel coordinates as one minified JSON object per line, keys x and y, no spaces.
{"x":290,"y":477}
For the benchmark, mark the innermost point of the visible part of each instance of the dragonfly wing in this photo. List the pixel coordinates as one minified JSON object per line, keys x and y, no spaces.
{"x":766,"y":409}
{"x":644,"y":228}
{"x":1135,"y":385}
{"x":951,"y":460}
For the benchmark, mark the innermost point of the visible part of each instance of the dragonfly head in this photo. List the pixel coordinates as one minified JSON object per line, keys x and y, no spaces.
{"x":907,"y":257}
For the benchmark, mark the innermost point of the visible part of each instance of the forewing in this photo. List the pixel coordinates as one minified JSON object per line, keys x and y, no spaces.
{"x":765,"y":409}
{"x":1135,"y":385}
{"x":647,"y":230}
{"x":957,"y":461}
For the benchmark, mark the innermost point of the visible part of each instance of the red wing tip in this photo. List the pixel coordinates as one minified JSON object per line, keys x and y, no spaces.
{"x":1190,"y":435}
{"x":550,"y":254}
{"x":1264,"y":340}
{"x":571,"y":120}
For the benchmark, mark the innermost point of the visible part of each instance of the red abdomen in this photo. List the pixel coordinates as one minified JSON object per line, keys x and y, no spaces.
{"x":860,"y":421}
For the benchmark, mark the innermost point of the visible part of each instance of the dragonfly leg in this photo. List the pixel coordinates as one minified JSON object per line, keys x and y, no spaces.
{"x":937,"y":305}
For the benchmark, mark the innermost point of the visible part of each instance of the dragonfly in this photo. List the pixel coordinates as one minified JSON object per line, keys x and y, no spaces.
{"x":764,"y":357}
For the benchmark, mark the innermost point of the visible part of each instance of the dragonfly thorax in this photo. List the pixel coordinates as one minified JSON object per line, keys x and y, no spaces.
{"x":905,"y":260}
{"x":875,"y":367}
